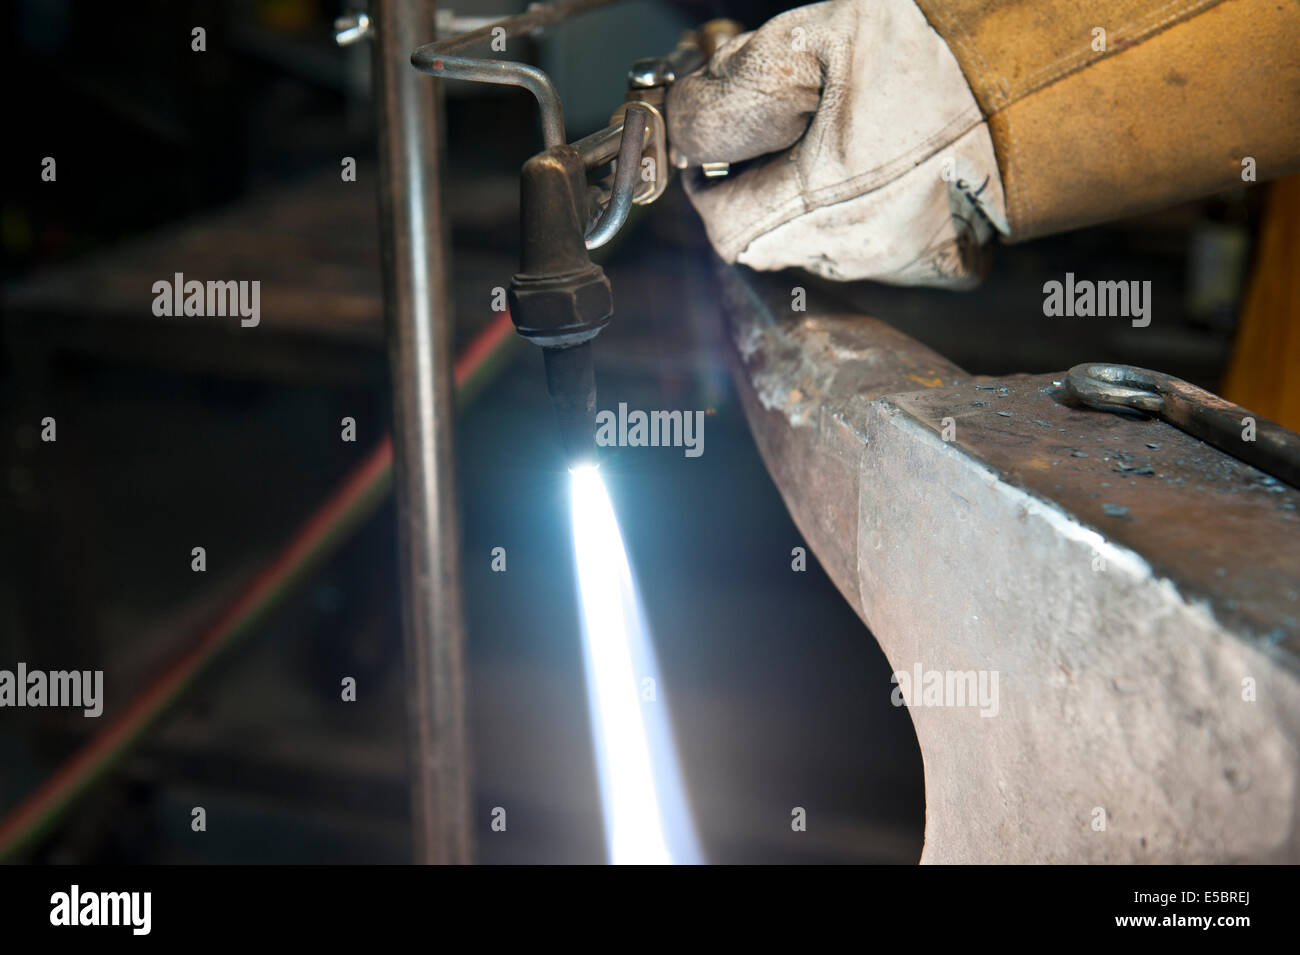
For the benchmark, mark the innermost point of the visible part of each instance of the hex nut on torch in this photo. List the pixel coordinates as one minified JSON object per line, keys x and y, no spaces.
{"x":561,"y":310}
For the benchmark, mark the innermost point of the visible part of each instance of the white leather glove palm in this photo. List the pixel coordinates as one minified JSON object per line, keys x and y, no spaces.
{"x":869,"y":157}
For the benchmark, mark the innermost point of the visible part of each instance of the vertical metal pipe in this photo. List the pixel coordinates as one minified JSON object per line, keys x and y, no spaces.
{"x":416,"y":310}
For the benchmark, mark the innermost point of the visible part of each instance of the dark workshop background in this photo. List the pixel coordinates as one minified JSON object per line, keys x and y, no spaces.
{"x":174,"y":433}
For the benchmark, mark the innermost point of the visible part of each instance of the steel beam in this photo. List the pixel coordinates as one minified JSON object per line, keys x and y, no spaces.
{"x":1137,"y":592}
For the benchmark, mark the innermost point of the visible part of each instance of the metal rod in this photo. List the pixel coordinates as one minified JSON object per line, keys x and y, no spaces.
{"x":505,"y":73}
{"x":600,"y":147}
{"x":413,"y":242}
{"x":625,"y":177}
{"x":536,"y":17}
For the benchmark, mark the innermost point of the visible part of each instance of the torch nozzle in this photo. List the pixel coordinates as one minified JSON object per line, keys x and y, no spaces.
{"x":560,"y":299}
{"x":571,"y":382}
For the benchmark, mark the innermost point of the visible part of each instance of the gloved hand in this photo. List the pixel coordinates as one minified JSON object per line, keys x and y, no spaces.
{"x":868,"y":156}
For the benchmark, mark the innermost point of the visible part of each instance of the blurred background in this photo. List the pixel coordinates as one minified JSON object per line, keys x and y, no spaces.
{"x":176,"y":433}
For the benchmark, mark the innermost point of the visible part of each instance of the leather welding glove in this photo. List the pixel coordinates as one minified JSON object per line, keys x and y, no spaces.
{"x":868,"y":129}
{"x":864,"y":152}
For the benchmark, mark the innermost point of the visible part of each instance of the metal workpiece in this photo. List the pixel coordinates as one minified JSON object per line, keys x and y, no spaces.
{"x":796,"y":391}
{"x":627,"y":177}
{"x":501,"y":73}
{"x":417,"y":317}
{"x":1229,"y":427}
{"x":1136,"y":591}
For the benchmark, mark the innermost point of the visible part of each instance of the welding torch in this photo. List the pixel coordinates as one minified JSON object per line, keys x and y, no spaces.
{"x":560,"y":299}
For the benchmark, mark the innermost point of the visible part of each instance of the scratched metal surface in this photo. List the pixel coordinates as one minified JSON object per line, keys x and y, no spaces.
{"x":1127,"y":597}
{"x":1222,"y":530}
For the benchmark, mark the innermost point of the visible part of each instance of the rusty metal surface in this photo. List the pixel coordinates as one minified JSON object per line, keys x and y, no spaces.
{"x":807,"y":382}
{"x":1142,"y":622}
{"x":1221,"y":530}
